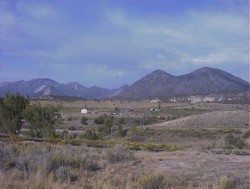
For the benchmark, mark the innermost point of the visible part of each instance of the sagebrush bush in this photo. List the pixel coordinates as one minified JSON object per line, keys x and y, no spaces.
{"x":118,"y":153}
{"x":231,"y":140}
{"x":152,"y":182}
{"x":71,"y":160}
{"x":13,"y":160}
{"x":91,"y":135}
{"x":22,"y":162}
{"x":64,"y":174}
{"x":246,"y":134}
{"x":226,"y":182}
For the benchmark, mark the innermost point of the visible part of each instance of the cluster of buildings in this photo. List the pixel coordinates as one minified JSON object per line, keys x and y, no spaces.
{"x":86,"y":111}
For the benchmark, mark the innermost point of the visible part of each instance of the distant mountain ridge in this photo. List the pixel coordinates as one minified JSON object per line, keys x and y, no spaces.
{"x":48,"y":87}
{"x":200,"y":82}
{"x":158,"y":84}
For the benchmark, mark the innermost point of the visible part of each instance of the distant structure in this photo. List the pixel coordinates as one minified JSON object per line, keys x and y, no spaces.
{"x":155,"y":109}
{"x":155,"y":100}
{"x":84,"y":111}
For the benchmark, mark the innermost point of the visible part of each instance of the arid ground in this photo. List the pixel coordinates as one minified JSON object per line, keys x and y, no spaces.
{"x":174,"y":145}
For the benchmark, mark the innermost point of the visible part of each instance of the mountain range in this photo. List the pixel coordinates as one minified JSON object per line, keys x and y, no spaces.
{"x":156,"y":84}
{"x":200,"y":82}
{"x":48,"y":87}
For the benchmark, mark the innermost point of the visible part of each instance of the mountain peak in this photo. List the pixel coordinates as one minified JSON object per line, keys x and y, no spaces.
{"x":205,"y":80}
{"x":160,"y":72}
{"x":206,"y":70}
{"x":74,"y":86}
{"x":41,"y":79}
{"x":157,"y":75}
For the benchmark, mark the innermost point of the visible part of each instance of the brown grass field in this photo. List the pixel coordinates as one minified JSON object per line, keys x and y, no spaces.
{"x":182,"y":146}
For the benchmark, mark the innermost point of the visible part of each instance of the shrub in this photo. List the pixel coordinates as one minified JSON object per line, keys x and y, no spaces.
{"x":149,"y":120}
{"x":133,"y":129}
{"x":70,"y":136}
{"x":91,"y":135}
{"x":71,"y":118}
{"x":226,"y":182}
{"x":106,"y":128}
{"x":247,"y":134}
{"x":118,"y":153}
{"x":58,"y":160}
{"x":11,"y":161}
{"x":120,"y":131}
{"x":62,"y":174}
{"x":119,"y":121}
{"x":150,"y":147}
{"x":231,"y":140}
{"x":72,"y":128}
{"x":28,"y":162}
{"x":84,"y":120}
{"x":63,"y":159}
{"x":99,"y":120}
{"x":152,"y":182}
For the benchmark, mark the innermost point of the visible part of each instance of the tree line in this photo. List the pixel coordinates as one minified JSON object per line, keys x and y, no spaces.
{"x":15,"y":110}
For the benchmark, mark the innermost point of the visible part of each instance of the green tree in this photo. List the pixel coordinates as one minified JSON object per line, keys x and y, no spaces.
{"x":42,"y":120}
{"x":107,"y":125}
{"x":11,"y":113}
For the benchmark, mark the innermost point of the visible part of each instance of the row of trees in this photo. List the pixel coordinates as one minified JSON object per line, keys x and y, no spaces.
{"x":15,"y":110}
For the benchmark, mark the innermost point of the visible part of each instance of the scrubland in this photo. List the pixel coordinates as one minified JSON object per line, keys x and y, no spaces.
{"x":181,"y":146}
{"x":28,"y":165}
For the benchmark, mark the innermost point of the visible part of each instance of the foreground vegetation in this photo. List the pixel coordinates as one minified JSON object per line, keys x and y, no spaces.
{"x":41,"y":120}
{"x":29,"y":165}
{"x":45,"y":146}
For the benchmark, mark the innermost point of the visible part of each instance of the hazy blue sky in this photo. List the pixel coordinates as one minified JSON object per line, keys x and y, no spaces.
{"x":109,"y":42}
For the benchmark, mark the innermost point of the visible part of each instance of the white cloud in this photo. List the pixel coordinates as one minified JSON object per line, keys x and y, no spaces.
{"x":221,"y":58}
{"x":211,"y":59}
{"x":120,"y":41}
{"x":36,"y":11}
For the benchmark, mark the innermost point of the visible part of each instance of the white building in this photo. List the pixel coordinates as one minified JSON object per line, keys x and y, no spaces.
{"x":155,"y":100}
{"x":84,"y":111}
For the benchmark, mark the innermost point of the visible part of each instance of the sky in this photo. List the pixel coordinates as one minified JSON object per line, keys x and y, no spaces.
{"x":109,"y":43}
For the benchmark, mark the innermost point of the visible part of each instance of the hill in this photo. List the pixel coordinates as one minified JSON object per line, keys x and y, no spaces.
{"x":200,"y":82}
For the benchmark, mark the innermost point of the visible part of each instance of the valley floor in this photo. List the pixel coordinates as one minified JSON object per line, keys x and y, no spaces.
{"x":199,"y":146}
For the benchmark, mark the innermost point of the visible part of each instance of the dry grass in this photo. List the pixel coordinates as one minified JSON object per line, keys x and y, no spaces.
{"x":28,"y":165}
{"x":228,"y":119}
{"x":71,"y":106}
{"x":209,"y":163}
